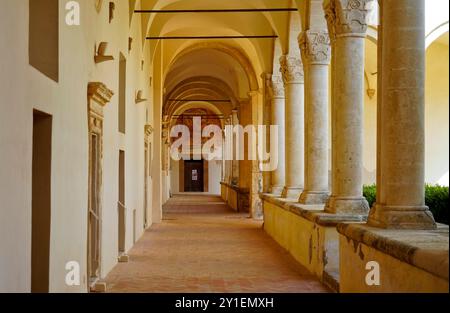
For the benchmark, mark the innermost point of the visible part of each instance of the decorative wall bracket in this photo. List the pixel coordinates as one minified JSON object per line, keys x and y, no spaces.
{"x":98,"y":5}
{"x":100,"y":53}
{"x":139,"y":98}
{"x":130,"y":44}
{"x":112,"y":7}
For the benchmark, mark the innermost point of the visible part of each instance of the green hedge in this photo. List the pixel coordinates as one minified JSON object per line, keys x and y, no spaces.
{"x":436,"y":198}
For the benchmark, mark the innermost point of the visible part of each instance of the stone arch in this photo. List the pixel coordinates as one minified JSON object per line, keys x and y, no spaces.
{"x":204,"y":85}
{"x":436,"y":34}
{"x":195,"y":105}
{"x":239,"y":56}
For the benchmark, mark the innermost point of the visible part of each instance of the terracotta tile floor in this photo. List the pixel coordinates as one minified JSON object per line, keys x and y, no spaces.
{"x":202,"y":246}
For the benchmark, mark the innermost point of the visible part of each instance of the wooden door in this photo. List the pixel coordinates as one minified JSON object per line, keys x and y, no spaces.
{"x":193,"y":176}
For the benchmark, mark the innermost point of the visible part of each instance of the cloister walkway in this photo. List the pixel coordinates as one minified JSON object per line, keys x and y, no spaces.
{"x":203,"y":246}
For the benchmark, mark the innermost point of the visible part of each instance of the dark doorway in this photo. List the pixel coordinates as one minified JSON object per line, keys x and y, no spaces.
{"x":193,"y":176}
{"x":41,"y":202}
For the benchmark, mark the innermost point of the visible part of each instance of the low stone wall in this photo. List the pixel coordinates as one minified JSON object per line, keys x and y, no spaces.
{"x":237,"y":198}
{"x":308,"y":234}
{"x":341,"y":249}
{"x":407,"y":260}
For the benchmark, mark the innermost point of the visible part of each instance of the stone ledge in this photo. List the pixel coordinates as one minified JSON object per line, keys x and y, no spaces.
{"x":236,"y":188}
{"x":425,"y":249}
{"x":277,"y":200}
{"x":317,"y":215}
{"x":314,"y":213}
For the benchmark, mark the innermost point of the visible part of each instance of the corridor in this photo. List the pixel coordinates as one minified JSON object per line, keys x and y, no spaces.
{"x":203,"y":246}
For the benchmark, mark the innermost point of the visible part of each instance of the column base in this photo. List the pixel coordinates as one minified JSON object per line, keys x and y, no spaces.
{"x":314,"y":197}
{"x":401,"y":217}
{"x":353,"y":205}
{"x":276,"y":190}
{"x":291,"y":192}
{"x":256,"y":207}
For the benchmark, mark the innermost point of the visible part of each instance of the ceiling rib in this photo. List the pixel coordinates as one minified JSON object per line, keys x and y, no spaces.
{"x":199,"y":100}
{"x":211,"y":37}
{"x":217,"y":10}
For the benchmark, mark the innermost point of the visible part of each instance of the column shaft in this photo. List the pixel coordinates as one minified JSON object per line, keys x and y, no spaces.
{"x":278,"y":117}
{"x":402,"y":150}
{"x":235,"y":161}
{"x":292,"y":70}
{"x":315,"y":47}
{"x":349,"y":25}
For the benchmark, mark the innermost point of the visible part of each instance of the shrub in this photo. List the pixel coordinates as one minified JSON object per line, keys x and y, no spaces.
{"x":370,"y":193}
{"x":436,"y":198}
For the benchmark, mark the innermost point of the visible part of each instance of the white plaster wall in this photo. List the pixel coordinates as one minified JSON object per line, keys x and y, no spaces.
{"x":214,"y":175}
{"x":23,"y":89}
{"x":436,"y":114}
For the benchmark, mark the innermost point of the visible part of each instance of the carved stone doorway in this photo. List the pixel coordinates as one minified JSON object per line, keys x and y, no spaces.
{"x":98,"y":96}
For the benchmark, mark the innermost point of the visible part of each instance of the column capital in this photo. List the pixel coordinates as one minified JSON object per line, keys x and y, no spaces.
{"x":315,"y":47}
{"x":347,"y":18}
{"x":276,"y":87}
{"x":291,"y":68}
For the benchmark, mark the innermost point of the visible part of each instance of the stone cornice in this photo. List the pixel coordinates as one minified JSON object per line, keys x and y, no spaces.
{"x":347,"y":18}
{"x":291,"y":68}
{"x":99,"y":93}
{"x":315,"y":47}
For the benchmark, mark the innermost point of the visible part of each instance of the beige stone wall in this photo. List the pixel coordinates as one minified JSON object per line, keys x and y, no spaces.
{"x":436,"y":112}
{"x":312,"y":245}
{"x":395,"y":275}
{"x":23,"y":89}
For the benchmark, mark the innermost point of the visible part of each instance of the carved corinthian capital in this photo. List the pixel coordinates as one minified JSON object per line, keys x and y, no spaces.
{"x":347,"y":17}
{"x":315,"y":47}
{"x":292,"y":69}
{"x":276,"y":87}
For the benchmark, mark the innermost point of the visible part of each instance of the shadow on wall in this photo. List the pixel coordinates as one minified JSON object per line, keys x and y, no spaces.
{"x":44,"y":37}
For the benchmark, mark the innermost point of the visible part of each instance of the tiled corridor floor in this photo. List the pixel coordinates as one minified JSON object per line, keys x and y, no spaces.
{"x":202,"y":246}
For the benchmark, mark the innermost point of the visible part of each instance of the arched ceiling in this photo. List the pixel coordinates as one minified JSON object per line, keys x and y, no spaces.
{"x":209,"y":62}
{"x":195,"y":69}
{"x":255,"y":23}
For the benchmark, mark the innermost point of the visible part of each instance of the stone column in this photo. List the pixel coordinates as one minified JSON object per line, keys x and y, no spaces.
{"x":228,"y":150}
{"x":223,"y":153}
{"x":235,"y":162}
{"x":256,"y":185}
{"x":401,"y":172}
{"x":316,"y":52}
{"x":267,"y":122}
{"x":347,"y":19}
{"x":277,"y":97}
{"x":292,"y":71}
